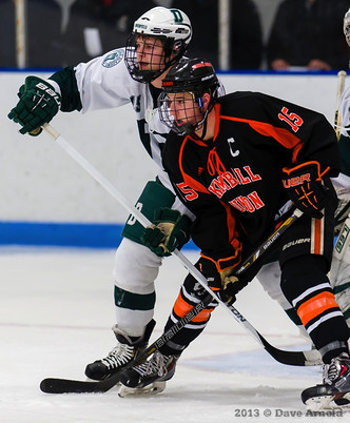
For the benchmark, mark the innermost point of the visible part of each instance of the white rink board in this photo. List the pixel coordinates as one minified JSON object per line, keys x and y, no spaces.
{"x":39,"y":182}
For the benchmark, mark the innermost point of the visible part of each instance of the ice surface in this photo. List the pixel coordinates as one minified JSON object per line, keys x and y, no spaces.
{"x":56,"y":311}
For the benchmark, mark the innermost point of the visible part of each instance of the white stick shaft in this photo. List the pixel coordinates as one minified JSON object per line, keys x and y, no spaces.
{"x":96,"y":175}
{"x":75,"y":155}
{"x":185,"y":262}
{"x":145,"y":222}
{"x":341,"y":76}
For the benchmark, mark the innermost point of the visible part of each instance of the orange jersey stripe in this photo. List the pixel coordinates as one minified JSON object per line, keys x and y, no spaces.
{"x":191,"y":182}
{"x":283,"y":136}
{"x":181,"y":308}
{"x":316,"y":306}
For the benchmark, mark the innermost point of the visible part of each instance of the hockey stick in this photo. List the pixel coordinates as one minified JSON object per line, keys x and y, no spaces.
{"x":296,"y":358}
{"x":62,"y":386}
{"x":340,"y":88}
{"x":75,"y":155}
{"x":285,"y":357}
{"x":343,"y":213}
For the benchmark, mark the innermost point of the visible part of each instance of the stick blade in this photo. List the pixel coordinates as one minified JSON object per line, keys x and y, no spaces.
{"x":64,"y":386}
{"x":293,"y":358}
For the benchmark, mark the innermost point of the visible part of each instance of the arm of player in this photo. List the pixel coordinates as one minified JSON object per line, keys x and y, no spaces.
{"x":306,"y":135}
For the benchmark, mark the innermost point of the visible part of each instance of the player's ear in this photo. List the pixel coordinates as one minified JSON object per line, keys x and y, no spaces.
{"x":206,"y":100}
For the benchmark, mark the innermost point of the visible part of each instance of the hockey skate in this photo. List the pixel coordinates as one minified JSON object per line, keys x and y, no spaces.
{"x":335,"y":390}
{"x":148,"y":378}
{"x":125,"y":351}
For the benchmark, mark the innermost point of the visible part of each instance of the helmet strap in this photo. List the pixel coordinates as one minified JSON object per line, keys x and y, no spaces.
{"x":200,"y":101}
{"x":204,"y":125}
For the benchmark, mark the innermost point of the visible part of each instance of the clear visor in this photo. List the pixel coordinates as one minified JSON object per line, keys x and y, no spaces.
{"x":181,"y":112}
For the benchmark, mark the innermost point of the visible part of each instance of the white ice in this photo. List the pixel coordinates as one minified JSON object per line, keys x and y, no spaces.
{"x":56,"y":313}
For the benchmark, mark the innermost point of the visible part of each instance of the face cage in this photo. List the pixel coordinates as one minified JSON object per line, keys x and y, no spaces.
{"x":347,"y":33}
{"x":165,"y":115}
{"x":147,"y":76}
{"x":346,"y":27}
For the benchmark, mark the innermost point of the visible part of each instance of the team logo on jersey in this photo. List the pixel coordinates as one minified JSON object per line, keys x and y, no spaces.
{"x":230,"y":143}
{"x":113,"y":58}
{"x":231,"y":178}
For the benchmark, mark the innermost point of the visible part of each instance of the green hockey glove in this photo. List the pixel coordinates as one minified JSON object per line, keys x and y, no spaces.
{"x":38,"y":104}
{"x":170,"y":230}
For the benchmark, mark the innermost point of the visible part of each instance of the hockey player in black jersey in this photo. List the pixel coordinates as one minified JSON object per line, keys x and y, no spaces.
{"x":236,"y":162}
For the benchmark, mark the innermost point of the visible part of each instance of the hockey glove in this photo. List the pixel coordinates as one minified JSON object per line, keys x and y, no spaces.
{"x":170,"y":230}
{"x":306,"y":189}
{"x":221,"y":277}
{"x":38,"y":104}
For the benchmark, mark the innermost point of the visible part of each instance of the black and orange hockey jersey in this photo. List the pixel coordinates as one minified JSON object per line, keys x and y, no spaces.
{"x":233,"y":182}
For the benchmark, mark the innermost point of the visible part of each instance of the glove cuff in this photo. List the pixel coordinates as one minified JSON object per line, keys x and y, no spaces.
{"x":225,"y":263}
{"x":304,"y":172}
{"x":32,"y":81}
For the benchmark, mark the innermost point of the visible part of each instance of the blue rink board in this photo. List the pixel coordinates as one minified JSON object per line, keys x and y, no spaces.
{"x":84,"y":235}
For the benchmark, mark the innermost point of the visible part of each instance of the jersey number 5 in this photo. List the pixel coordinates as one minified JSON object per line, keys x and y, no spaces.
{"x":293,"y":120}
{"x":189,"y":193}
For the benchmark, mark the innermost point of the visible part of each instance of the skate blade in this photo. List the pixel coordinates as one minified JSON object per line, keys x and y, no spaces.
{"x":329,"y":402}
{"x":149,"y":390}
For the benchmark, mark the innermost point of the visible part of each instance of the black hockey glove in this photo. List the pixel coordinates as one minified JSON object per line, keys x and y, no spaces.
{"x":221,"y":277}
{"x":306,"y":189}
{"x":170,"y":230}
{"x":38,"y":104}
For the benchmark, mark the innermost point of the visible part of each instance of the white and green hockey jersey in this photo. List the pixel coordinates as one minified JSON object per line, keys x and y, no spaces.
{"x":105,"y":83}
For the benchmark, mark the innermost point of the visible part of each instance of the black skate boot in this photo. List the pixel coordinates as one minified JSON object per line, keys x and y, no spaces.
{"x":335,"y":390}
{"x":148,"y":377}
{"x":126,"y":350}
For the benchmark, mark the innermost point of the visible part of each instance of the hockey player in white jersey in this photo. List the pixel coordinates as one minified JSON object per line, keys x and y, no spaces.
{"x":131,"y":74}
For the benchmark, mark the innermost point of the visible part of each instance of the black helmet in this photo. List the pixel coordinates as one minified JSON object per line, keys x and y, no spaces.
{"x":195,"y":76}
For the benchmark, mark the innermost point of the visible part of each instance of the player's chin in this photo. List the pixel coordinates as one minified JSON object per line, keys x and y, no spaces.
{"x":145,"y":66}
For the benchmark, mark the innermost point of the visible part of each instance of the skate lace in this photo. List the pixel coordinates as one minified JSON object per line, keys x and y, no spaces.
{"x":334,"y":370}
{"x":332,"y":373}
{"x":157,"y":365}
{"x":120,"y":355}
